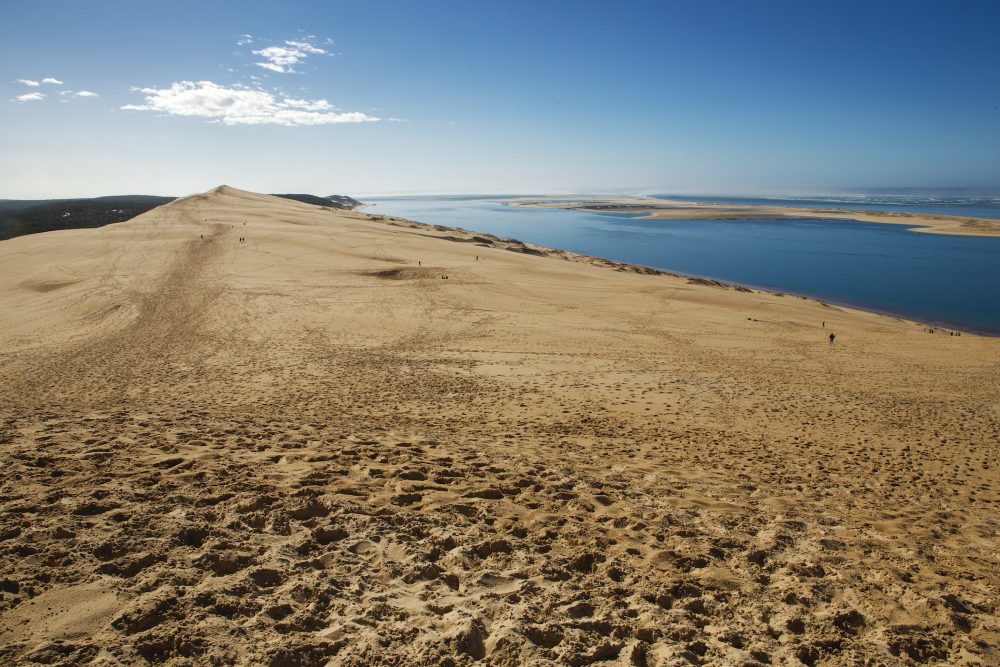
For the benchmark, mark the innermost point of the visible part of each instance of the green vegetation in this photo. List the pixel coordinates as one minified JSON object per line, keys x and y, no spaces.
{"x":31,"y":216}
{"x":332,"y":201}
{"x":19,"y":217}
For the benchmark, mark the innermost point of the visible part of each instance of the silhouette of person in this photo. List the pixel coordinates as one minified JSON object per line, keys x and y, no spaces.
{"x":832,"y":336}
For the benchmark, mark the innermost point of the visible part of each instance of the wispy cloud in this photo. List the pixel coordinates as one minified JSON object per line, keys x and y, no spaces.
{"x":49,"y":79}
{"x":282,"y":59}
{"x":29,"y":82}
{"x":85,"y":93}
{"x":31,"y":97}
{"x":244,"y":40}
{"x":240,"y":105}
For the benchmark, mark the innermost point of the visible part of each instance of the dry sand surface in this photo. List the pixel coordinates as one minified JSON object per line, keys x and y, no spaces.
{"x":665,"y":209}
{"x":311,"y":448}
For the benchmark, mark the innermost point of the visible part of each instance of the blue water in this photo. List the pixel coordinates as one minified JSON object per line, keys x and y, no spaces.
{"x":973,"y":206}
{"x":948,"y":280}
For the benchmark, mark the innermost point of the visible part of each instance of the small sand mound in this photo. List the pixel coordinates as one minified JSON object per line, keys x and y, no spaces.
{"x":47,"y":285}
{"x":705,"y":281}
{"x":407,"y":273}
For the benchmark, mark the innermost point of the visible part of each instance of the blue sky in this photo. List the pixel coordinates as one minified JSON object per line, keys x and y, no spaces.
{"x":458,"y":96}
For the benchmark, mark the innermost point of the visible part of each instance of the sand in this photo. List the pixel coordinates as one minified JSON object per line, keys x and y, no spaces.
{"x":666,"y":209}
{"x":313,"y":448}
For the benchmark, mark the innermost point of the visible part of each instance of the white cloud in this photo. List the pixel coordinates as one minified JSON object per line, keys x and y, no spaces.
{"x":29,"y":82}
{"x":275,"y":68}
{"x":244,"y":40}
{"x":283,"y":58}
{"x":240,"y":105}
{"x":77,"y":93}
{"x":308,"y":105}
{"x":305,"y":46}
{"x":49,"y":79}
{"x":31,"y":97}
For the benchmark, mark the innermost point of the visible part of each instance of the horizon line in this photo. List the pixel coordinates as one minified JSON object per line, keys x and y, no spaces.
{"x":764,"y":192}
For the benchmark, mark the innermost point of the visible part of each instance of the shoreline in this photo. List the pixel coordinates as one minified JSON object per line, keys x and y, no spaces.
{"x":515,"y":245}
{"x":667,"y":209}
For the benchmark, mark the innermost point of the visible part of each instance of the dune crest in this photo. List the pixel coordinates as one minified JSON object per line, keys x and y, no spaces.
{"x":242,"y":429}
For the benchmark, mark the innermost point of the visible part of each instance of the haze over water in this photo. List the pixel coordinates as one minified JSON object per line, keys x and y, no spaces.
{"x":940,"y":279}
{"x":971,"y":206}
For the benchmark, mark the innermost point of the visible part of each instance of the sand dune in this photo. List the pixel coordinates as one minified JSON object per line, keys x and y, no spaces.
{"x":348,"y":441}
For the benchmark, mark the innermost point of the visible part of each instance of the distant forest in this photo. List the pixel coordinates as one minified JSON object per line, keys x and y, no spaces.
{"x":24,"y":216}
{"x":19,"y":217}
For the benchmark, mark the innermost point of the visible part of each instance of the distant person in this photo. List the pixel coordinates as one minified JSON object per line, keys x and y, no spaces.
{"x":824,"y":324}
{"x":832,"y":337}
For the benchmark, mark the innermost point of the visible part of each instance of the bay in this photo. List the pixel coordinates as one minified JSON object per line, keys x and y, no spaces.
{"x":938,"y":279}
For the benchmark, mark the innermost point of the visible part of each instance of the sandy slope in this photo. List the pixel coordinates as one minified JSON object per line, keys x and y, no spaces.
{"x":309,"y":448}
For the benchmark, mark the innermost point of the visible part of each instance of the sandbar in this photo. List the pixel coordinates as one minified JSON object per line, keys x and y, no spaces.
{"x":665,"y":209}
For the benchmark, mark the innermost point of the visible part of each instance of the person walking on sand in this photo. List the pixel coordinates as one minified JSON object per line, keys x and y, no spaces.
{"x":832,"y":336}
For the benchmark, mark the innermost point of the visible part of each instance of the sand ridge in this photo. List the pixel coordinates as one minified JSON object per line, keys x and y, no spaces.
{"x":348,"y":441}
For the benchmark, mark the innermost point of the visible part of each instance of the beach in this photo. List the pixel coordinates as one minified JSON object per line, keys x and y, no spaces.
{"x":665,"y":209}
{"x":239,"y":429}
